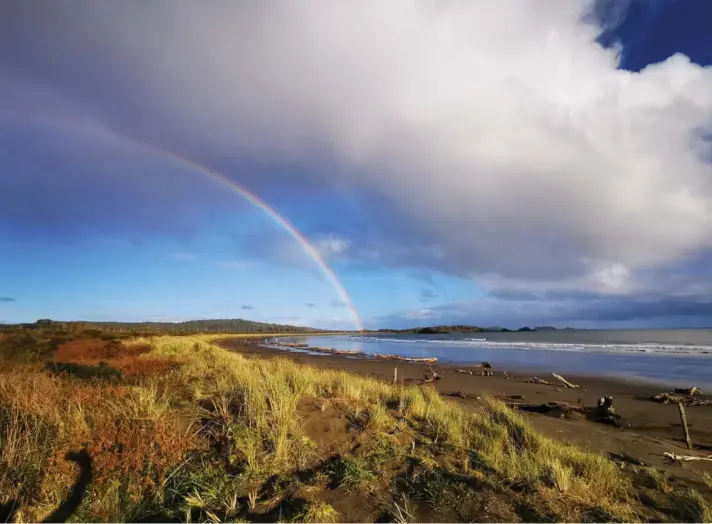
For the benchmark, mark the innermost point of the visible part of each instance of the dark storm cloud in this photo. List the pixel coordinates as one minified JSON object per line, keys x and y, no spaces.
{"x":247,"y":307}
{"x":578,"y":310}
{"x":624,"y":310}
{"x":337,"y":304}
{"x":310,"y":304}
{"x":7,"y":299}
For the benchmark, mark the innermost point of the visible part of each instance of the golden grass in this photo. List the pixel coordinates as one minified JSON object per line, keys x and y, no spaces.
{"x":219,"y":411}
{"x":317,"y":511}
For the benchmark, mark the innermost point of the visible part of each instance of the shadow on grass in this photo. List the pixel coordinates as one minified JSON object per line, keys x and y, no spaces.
{"x":8,"y":511}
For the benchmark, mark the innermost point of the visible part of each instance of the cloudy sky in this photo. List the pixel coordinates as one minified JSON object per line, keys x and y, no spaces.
{"x":500,"y":162}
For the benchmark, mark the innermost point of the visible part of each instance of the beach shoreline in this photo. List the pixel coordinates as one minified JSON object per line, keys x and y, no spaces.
{"x":579,"y":356}
{"x":651,"y":428}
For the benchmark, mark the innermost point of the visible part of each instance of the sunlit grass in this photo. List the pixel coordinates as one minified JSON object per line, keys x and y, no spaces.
{"x":211,"y":431}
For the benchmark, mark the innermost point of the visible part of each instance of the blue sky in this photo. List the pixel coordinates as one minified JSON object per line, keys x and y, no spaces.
{"x":489,"y":163}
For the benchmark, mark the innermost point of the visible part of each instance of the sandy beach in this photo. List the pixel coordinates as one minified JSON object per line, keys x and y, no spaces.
{"x":651,"y":429}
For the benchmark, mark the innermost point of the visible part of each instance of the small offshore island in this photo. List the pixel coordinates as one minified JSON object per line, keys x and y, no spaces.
{"x":441,"y":330}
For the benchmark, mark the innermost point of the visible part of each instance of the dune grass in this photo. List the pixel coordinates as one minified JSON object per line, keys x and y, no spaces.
{"x":220,"y":436}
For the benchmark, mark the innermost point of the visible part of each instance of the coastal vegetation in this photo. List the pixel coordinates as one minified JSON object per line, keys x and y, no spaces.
{"x":227,"y":325}
{"x":176,"y":428}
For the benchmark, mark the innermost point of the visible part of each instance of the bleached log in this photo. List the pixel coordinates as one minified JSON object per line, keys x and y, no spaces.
{"x":685,"y":458}
{"x":565,"y":382}
{"x":537,"y":380}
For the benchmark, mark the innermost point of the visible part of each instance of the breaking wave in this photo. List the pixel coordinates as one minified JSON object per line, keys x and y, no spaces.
{"x":643,"y":347}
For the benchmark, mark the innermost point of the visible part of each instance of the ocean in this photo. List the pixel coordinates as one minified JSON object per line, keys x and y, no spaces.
{"x":679,"y":357}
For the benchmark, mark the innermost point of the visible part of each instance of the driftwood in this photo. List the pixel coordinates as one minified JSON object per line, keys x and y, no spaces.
{"x":685,"y":458}
{"x":537,"y":380}
{"x":603,"y":412}
{"x":666,"y":398}
{"x":683,"y":419}
{"x":486,"y":366}
{"x":395,"y":376}
{"x":689,"y":391}
{"x":432,"y":379}
{"x":564,"y":381}
{"x":462,"y":394}
{"x":508,"y":376}
{"x":605,"y":404}
{"x":628,"y":459}
{"x":428,"y":360}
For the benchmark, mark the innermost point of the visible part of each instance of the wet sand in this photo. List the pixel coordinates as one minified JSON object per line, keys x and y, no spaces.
{"x":651,"y":430}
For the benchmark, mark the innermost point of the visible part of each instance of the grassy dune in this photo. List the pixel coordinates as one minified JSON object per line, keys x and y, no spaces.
{"x":215,"y":436}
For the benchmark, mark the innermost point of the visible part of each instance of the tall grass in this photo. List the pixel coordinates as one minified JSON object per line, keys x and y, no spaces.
{"x":263,"y":395}
{"x":207,"y":432}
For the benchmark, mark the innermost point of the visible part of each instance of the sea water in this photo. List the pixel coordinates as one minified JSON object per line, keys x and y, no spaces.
{"x":676,"y":357}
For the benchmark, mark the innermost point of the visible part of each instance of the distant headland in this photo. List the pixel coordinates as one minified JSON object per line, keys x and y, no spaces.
{"x":439,"y":330}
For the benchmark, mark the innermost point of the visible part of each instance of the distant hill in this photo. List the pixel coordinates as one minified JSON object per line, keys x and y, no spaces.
{"x":228,"y":325}
{"x":433,"y":330}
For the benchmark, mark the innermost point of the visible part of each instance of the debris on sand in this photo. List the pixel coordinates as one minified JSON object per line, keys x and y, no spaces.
{"x":685,"y":458}
{"x":689,"y":391}
{"x":432,"y":379}
{"x":486,"y":370}
{"x":565,"y":382}
{"x":603,"y":412}
{"x":537,"y":380}
{"x":427,"y":360}
{"x":667,"y":398}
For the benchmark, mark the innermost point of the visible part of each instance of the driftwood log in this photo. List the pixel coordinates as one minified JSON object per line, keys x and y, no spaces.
{"x":683,"y":419}
{"x":685,"y":458}
{"x":689,"y":391}
{"x":537,"y":380}
{"x":486,"y":370}
{"x":432,"y":379}
{"x":603,"y":412}
{"x":627,"y":459}
{"x":565,"y":382}
{"x":666,"y":398}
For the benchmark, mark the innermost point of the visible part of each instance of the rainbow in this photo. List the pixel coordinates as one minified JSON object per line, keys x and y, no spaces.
{"x":237,"y":188}
{"x":276,"y":217}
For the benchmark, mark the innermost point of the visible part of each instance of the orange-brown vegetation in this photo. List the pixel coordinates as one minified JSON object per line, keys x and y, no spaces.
{"x":222,"y":438}
{"x":129,"y":359}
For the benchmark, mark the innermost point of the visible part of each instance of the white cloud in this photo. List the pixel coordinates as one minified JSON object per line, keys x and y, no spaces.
{"x":500,"y":131}
{"x":331,"y":246}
